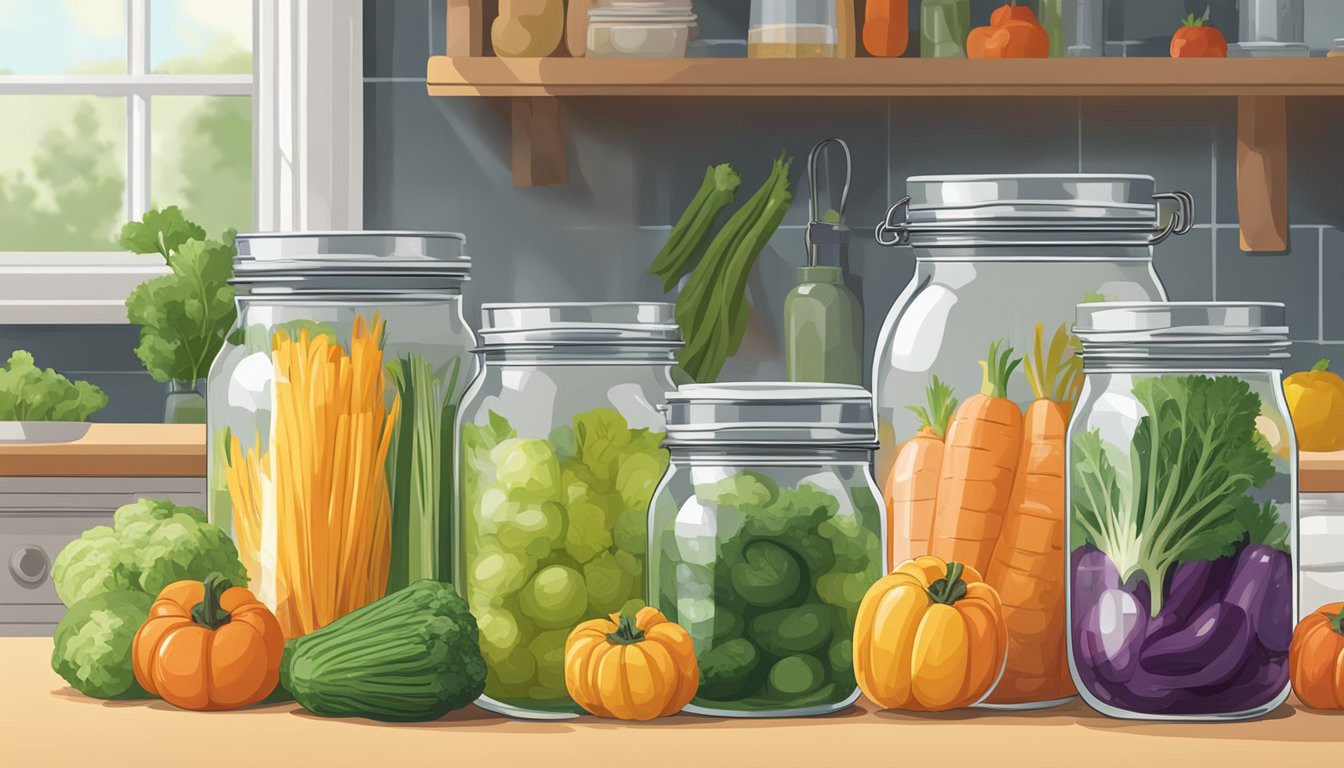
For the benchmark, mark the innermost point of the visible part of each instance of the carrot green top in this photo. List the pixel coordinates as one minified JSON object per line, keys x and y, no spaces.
{"x":998,"y":368}
{"x":1055,"y":374}
{"x":940,"y":408}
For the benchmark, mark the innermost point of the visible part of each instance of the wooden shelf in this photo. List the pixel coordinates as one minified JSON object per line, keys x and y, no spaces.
{"x":1261,"y":87}
{"x":491,"y":76}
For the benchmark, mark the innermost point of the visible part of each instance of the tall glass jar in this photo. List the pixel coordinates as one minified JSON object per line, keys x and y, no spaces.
{"x":560,"y":448}
{"x":764,"y":536}
{"x":1182,"y":511}
{"x":331,"y":408}
{"x":974,"y":376}
{"x":943,"y":28}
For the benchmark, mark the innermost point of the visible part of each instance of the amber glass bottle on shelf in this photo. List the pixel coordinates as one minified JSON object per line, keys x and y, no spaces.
{"x":886,"y":27}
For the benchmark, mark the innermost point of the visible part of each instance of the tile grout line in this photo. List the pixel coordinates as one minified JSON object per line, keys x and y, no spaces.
{"x":1320,"y":285}
{"x":1078,"y":115}
{"x":1213,"y":212}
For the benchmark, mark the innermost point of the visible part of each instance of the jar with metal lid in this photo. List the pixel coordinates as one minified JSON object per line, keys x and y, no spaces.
{"x":764,"y":536}
{"x":330,"y":414}
{"x":560,"y":447}
{"x":1182,"y":511}
{"x":974,"y":362}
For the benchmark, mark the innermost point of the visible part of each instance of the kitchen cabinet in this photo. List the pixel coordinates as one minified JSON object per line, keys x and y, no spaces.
{"x":537,"y":87}
{"x":51,"y":493}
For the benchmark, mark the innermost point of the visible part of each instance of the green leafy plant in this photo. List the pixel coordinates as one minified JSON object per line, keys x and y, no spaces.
{"x":1193,"y":459}
{"x":184,"y":316}
{"x":29,"y":393}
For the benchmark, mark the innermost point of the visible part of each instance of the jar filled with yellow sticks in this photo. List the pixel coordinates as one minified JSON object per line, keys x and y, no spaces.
{"x":330,"y":416}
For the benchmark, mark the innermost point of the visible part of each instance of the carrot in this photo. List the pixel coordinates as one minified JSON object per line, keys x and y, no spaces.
{"x":912,"y":487}
{"x":1027,"y":568}
{"x":979,"y":464}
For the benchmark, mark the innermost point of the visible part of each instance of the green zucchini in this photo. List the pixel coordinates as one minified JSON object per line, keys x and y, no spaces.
{"x":409,"y":657}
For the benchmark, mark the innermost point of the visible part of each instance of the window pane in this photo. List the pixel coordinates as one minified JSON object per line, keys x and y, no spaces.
{"x":200,"y":37}
{"x":52,"y":37}
{"x":63,"y":172}
{"x":202,"y":159}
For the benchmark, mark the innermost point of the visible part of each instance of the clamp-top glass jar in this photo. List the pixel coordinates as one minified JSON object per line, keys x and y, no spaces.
{"x":1183,"y":511}
{"x":764,"y":536}
{"x":560,"y":449}
{"x":1000,"y":263}
{"x":331,"y":408}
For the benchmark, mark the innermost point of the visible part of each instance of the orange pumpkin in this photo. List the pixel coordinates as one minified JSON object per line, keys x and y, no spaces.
{"x":929,"y":637}
{"x":1013,"y":33}
{"x":631,"y":668}
{"x":207,"y":645}
{"x":1316,"y":658}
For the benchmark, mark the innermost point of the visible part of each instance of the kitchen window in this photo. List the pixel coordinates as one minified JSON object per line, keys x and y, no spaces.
{"x":111,"y":107}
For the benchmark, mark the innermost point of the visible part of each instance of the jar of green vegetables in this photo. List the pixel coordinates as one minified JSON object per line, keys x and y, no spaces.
{"x":331,"y":409}
{"x":561,"y":446}
{"x":763,"y":538}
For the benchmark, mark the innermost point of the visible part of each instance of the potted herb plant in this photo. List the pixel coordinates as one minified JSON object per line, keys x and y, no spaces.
{"x":42,"y":406}
{"x":185,"y":315}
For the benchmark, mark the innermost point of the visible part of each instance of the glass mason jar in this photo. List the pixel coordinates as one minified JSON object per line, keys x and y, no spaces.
{"x":943,"y":28}
{"x":560,"y":449}
{"x":1000,"y":263}
{"x":331,"y":409}
{"x":764,"y":536}
{"x":1182,"y":511}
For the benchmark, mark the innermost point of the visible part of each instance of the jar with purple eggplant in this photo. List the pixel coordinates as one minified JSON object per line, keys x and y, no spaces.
{"x":1182,"y":501}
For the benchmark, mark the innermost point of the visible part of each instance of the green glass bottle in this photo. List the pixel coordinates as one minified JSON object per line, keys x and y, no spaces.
{"x":943,"y":27}
{"x":823,"y":328}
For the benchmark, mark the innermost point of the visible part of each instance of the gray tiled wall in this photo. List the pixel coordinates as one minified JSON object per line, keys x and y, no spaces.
{"x":444,"y":163}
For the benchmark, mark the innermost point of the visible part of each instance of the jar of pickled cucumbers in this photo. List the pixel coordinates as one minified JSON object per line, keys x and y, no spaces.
{"x":1182,"y":494}
{"x":764,"y":536}
{"x":560,"y":446}
{"x":330,"y":413}
{"x":975,"y":375}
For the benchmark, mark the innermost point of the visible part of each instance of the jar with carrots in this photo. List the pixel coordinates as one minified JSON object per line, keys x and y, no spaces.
{"x":976,"y":375}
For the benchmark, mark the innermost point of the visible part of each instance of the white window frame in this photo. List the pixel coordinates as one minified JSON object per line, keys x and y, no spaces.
{"x":306,"y":88}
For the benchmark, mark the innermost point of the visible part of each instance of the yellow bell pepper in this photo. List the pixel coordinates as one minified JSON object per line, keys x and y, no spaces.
{"x":929,"y":637}
{"x":1316,"y":402}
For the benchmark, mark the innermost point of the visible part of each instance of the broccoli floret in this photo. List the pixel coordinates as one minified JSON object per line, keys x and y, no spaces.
{"x":93,"y":644}
{"x":632,"y":532}
{"x":527,"y":469}
{"x":93,"y":564}
{"x":586,"y":533}
{"x":726,"y":671}
{"x":638,"y":473}
{"x":152,"y":544}
{"x":845,"y":590}
{"x":856,"y":548}
{"x":742,"y":489}
{"x":602,"y":436}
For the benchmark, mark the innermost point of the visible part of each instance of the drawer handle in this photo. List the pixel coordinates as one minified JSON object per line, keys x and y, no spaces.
{"x":29,"y":565}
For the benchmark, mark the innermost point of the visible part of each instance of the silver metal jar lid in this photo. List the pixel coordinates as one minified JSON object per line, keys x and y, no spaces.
{"x":616,"y":323}
{"x":1182,"y":330}
{"x":1034,"y":208}
{"x":839,"y":415}
{"x":269,"y":257}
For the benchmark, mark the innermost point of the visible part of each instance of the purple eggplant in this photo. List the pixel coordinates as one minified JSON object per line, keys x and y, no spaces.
{"x":1111,"y":635}
{"x":1262,"y":586}
{"x":1208,"y":651}
{"x":1262,"y":678}
{"x":1191,"y":589}
{"x":1093,"y":573}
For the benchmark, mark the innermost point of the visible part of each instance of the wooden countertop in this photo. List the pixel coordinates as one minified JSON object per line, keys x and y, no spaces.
{"x":46,"y":723}
{"x":112,"y":450}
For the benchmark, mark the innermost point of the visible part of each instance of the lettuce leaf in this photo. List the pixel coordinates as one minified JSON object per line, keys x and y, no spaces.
{"x":29,"y":393}
{"x":184,"y":316}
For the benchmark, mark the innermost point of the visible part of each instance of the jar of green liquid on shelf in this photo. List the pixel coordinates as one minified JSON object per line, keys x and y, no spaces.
{"x":943,"y":27}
